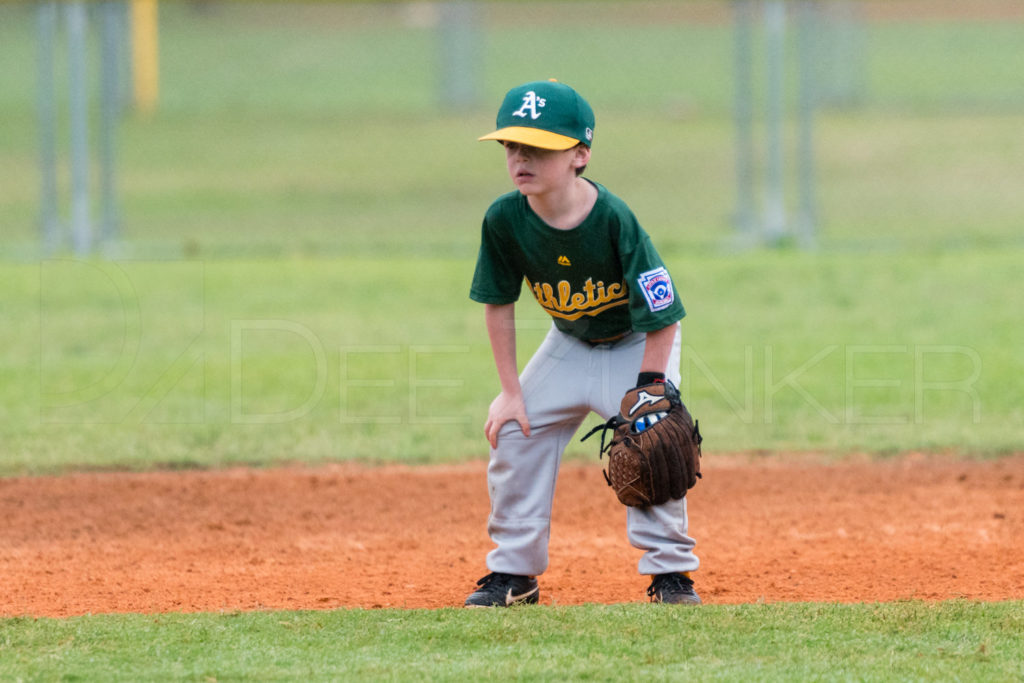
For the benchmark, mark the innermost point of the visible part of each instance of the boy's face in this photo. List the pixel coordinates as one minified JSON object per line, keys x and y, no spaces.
{"x":538,"y":171}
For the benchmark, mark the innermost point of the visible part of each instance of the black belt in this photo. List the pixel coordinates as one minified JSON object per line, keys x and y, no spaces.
{"x":610,"y":340}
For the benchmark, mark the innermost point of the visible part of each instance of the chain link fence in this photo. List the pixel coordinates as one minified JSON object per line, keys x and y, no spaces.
{"x":349,"y":128}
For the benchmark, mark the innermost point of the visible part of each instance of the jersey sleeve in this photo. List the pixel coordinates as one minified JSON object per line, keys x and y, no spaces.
{"x":653,"y":300}
{"x":498,"y":279}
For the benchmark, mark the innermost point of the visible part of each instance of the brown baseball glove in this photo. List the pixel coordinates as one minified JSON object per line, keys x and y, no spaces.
{"x":654,"y":454}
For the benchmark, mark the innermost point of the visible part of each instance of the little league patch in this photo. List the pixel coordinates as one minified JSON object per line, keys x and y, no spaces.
{"x":657,"y":288}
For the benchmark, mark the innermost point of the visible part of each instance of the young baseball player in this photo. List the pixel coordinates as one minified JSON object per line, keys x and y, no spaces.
{"x":615,"y":325}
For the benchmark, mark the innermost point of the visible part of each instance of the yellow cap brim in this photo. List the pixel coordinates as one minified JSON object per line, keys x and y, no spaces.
{"x":534,"y":137}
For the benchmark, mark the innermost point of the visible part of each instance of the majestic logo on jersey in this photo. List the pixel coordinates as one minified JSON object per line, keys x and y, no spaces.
{"x":530,"y":104}
{"x":561,"y":302}
{"x":564,"y":261}
{"x":656,"y":286}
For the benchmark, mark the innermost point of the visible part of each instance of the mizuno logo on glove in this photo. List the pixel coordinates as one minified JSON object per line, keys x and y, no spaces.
{"x":643,"y":398}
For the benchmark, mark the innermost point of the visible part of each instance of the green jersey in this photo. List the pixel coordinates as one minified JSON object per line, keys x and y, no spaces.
{"x":599,"y":280}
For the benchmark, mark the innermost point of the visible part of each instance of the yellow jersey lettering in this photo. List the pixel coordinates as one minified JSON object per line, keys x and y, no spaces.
{"x":565,"y":303}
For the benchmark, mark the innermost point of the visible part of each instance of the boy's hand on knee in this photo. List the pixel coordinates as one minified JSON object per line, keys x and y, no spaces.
{"x":504,"y":408}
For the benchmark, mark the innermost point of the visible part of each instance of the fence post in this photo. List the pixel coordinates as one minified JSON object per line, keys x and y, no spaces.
{"x":81,"y":227}
{"x":772,"y":226}
{"x":743,"y":112}
{"x":145,"y":55}
{"x":460,"y":54}
{"x":775,"y":48}
{"x":808,"y":211}
{"x":110,"y":111}
{"x":49,"y":215}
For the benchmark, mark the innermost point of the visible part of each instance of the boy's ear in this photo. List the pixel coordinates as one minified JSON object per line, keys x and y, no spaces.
{"x":582,"y":156}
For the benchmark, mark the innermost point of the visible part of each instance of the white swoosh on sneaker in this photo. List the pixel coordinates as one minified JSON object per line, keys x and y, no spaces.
{"x":512,"y":599}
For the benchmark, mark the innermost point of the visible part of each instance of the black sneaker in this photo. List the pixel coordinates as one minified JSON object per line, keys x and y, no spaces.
{"x":504,"y":590}
{"x":673,"y":589}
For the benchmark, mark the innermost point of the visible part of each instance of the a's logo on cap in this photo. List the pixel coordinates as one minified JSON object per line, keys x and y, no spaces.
{"x":530,"y":104}
{"x":590,"y":134}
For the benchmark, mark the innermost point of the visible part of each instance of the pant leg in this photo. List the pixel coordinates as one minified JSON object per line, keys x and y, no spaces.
{"x":522,"y":471}
{"x":662,"y":530}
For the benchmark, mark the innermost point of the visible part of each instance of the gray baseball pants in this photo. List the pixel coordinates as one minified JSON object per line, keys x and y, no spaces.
{"x":564,"y":381}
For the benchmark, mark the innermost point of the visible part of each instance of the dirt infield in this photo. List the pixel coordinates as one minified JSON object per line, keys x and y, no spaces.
{"x":768,"y":530}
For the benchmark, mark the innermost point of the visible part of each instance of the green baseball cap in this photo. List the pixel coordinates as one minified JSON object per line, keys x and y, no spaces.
{"x":545,"y":114}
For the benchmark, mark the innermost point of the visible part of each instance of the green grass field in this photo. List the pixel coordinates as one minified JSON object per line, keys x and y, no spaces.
{"x":799,"y":642}
{"x":210,"y":363}
{"x":299,"y":229}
